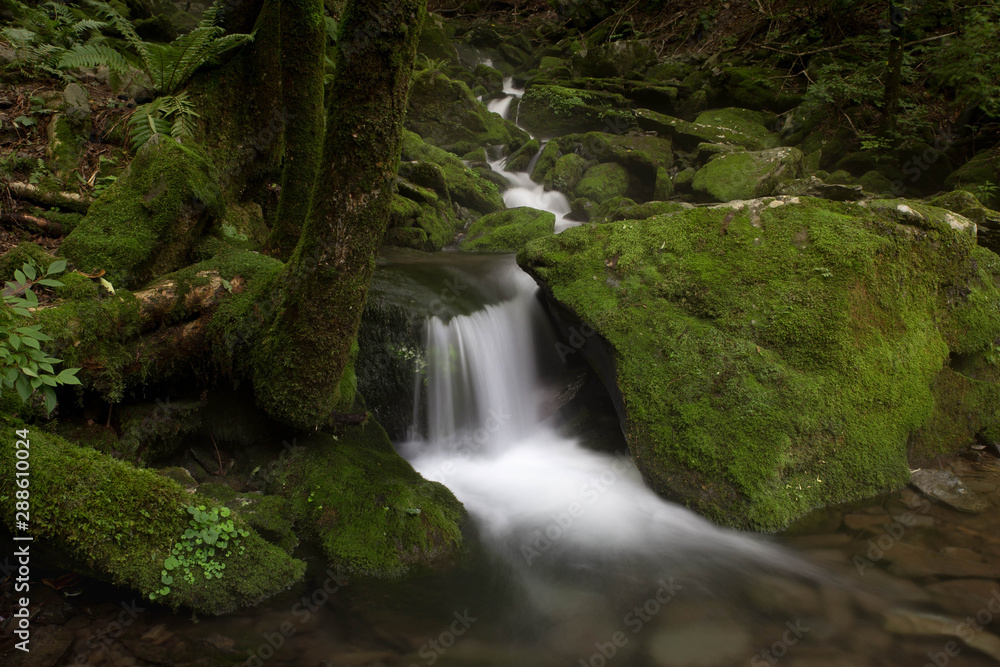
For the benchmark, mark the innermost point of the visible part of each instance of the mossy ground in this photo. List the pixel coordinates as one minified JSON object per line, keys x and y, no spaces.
{"x":775,"y":360}
{"x":369,"y":510}
{"x":121,"y":522}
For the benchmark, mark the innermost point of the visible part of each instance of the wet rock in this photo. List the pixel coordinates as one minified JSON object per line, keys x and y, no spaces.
{"x":508,"y":231}
{"x":988,"y":229}
{"x":733,"y":127}
{"x":814,"y":187}
{"x":702,"y":644}
{"x":907,"y":622}
{"x":553,"y":111}
{"x":747,"y":174}
{"x":910,"y":561}
{"x":779,"y":594}
{"x":603,"y":182}
{"x":944,"y":486}
{"x":49,"y":644}
{"x":965,"y":596}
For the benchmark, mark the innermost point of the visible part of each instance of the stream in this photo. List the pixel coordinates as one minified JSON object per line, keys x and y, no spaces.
{"x":575,"y":562}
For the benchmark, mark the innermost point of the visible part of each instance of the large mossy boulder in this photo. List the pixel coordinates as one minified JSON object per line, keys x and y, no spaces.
{"x":731,"y":127}
{"x":777,"y":355}
{"x":552,"y":111}
{"x":614,"y":59}
{"x":981,"y":176}
{"x":445,"y":113}
{"x":120,"y":524}
{"x":967,"y":205}
{"x":146,"y":223}
{"x":370,"y":511}
{"x":756,"y":88}
{"x":508,"y":231}
{"x":747,"y":174}
{"x":641,"y":155}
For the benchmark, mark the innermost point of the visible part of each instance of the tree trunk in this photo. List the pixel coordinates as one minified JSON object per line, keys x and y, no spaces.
{"x":303,"y":66}
{"x":302,"y":367}
{"x":894,"y":69}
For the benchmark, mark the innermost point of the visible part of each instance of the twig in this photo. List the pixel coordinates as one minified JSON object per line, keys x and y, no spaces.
{"x":217,"y":456}
{"x":53,"y":229}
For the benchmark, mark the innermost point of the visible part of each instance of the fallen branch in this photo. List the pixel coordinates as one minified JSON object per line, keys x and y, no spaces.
{"x":69,"y":200}
{"x":25,"y":221}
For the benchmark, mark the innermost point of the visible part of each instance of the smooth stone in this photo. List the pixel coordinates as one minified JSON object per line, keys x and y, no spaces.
{"x":908,"y":622}
{"x":704,"y":644}
{"x":943,"y":485}
{"x":49,"y":644}
{"x":773,"y":593}
{"x":909,"y":561}
{"x":965,"y":596}
{"x":869,"y":522}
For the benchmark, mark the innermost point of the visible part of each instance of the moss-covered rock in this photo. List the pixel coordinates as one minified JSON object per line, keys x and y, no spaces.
{"x":520,"y":159}
{"x":68,"y":130}
{"x":602,"y":182}
{"x":747,"y":174}
{"x":369,"y":510}
{"x":465,"y":186}
{"x":647,"y":210}
{"x":641,"y":155}
{"x":733,"y":127}
{"x":615,"y":59}
{"x":567,"y":172}
{"x":508,"y":231}
{"x":146,"y":223}
{"x":603,"y":212}
{"x":552,"y":111}
{"x":434,"y":41}
{"x":756,"y":88}
{"x":776,"y":355}
{"x":876,"y":182}
{"x":663,"y":188}
{"x":546,"y":162}
{"x":980,"y":176}
{"x":965,"y":204}
{"x":446,"y":113}
{"x":120,"y":524}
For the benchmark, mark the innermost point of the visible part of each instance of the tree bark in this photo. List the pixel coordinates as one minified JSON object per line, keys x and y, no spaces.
{"x":303,"y":67}
{"x":302,"y":368}
{"x":894,"y":69}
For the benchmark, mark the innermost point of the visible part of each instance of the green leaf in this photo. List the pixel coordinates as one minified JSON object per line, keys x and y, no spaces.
{"x":23,"y":387}
{"x":48,"y":380}
{"x":29,"y":271}
{"x":51,"y":282}
{"x":50,"y":399}
{"x":167,"y":579}
{"x":30,"y":342}
{"x":31,"y":298}
{"x":56,"y":267}
{"x":29,"y":372}
{"x":15,"y":340}
{"x":20,"y":277}
{"x":68,"y":376}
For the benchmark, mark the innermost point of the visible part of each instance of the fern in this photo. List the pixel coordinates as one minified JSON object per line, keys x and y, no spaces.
{"x":94,"y":55}
{"x":171,"y":114}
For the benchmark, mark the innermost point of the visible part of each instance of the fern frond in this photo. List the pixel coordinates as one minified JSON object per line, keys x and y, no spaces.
{"x":124,"y":26}
{"x":190,"y":49}
{"x":94,"y":55}
{"x":145,"y":123}
{"x":19,"y":37}
{"x":209,"y":16}
{"x":88,"y":24}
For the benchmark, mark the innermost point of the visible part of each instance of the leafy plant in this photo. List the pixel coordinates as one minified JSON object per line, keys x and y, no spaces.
{"x":24,"y":366}
{"x":210,"y":533}
{"x":167,"y":68}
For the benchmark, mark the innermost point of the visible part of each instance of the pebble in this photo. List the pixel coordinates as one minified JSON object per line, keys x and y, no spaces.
{"x":946,"y":487}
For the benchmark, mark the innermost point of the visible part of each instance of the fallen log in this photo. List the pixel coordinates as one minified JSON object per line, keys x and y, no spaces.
{"x":32,"y":223}
{"x":68,"y":200}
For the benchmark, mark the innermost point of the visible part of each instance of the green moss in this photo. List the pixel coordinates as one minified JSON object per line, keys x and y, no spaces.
{"x":663,"y":189}
{"x":121,"y":522}
{"x":646,"y":210}
{"x":15,"y":258}
{"x":775,"y":359}
{"x":546,"y":162}
{"x":520,"y":159}
{"x":465,"y":186}
{"x":602,"y":182}
{"x":566,"y":173}
{"x":552,"y":111}
{"x":734,"y":127}
{"x":371,"y":513}
{"x":146,"y":222}
{"x":758,"y":88}
{"x":508,"y":231}
{"x":151,"y":431}
{"x":268,"y":515}
{"x":641,"y":155}
{"x":610,"y":208}
{"x":745,"y":175}
{"x":446,"y":114}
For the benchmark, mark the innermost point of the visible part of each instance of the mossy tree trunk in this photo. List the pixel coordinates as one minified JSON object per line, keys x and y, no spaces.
{"x":302,"y":367}
{"x":303,"y":64}
{"x":894,"y":70}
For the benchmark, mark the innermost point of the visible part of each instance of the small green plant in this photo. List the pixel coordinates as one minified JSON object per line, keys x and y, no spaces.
{"x":210,"y":533}
{"x":167,"y":68}
{"x":986,"y":192}
{"x":425,"y":64}
{"x":24,"y":366}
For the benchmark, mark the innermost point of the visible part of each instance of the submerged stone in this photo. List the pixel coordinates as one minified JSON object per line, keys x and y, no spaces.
{"x":946,"y":487}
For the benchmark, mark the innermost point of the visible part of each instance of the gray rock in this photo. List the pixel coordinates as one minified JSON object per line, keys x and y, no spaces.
{"x":48,"y":645}
{"x":945,"y":486}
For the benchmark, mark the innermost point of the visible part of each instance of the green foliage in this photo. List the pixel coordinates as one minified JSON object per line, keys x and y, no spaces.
{"x":210,"y":533}
{"x":967,"y":62}
{"x":24,"y":367}
{"x":45,"y":35}
{"x":168,"y":68}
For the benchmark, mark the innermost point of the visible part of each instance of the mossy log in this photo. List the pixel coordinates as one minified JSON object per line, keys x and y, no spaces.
{"x":120,"y":523}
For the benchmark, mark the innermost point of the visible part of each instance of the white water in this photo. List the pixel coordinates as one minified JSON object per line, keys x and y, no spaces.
{"x":540,"y":498}
{"x":543,"y":500}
